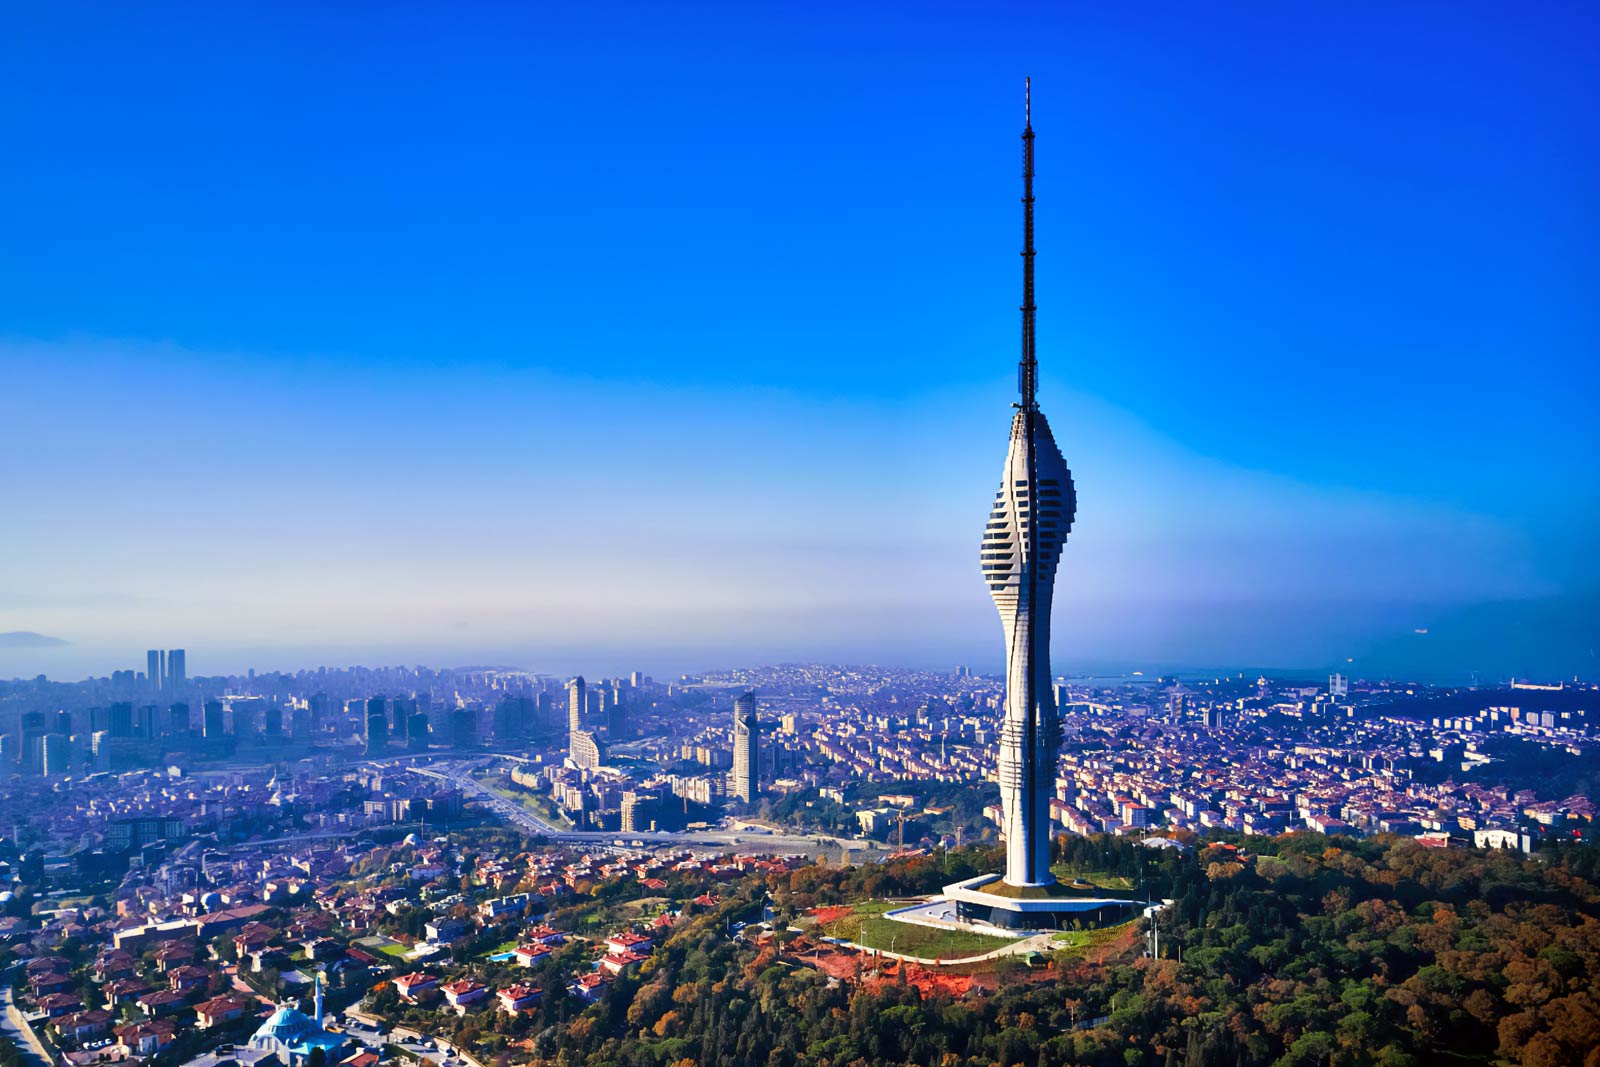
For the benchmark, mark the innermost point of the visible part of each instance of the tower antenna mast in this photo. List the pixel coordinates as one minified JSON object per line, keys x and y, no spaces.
{"x":1027,"y":373}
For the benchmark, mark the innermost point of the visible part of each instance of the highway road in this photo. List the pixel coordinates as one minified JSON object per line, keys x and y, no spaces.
{"x":460,"y":776}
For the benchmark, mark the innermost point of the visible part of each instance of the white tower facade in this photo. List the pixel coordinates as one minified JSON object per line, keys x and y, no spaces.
{"x":1022,"y":542}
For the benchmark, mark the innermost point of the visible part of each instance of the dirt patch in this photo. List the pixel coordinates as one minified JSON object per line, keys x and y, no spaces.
{"x":831,"y":914}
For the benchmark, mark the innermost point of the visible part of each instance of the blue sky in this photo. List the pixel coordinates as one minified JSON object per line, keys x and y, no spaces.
{"x":579,"y":336}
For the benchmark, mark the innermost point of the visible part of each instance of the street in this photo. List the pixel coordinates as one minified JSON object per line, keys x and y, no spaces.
{"x":11,"y":1023}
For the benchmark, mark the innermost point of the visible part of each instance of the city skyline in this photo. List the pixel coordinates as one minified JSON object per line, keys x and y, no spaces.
{"x":1325,"y":353}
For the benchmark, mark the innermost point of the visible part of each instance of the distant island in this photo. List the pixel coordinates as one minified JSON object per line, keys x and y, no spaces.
{"x":29,"y":639}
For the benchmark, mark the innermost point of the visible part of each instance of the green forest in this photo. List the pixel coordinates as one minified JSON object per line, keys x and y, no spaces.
{"x":1300,"y":950}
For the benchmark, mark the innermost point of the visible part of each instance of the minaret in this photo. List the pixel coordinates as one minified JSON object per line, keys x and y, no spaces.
{"x":1022,"y":542}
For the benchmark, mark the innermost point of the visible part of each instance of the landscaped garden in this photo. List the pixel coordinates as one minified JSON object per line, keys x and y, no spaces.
{"x":866,"y":924}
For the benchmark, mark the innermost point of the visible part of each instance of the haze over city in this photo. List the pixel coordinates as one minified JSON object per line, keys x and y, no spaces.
{"x":331,"y":338}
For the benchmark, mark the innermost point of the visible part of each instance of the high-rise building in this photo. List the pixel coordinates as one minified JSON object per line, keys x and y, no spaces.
{"x":249,"y":717}
{"x":463,"y":728}
{"x":639,"y":811}
{"x":33,"y":734}
{"x":584,"y":750}
{"x":100,"y":750}
{"x":417,"y":732}
{"x":1177,"y":704}
{"x":165,"y":669}
{"x":299,"y":721}
{"x":321,"y":707}
{"x":576,"y":704}
{"x":512,"y":717}
{"x":55,"y":755}
{"x":399,"y":710}
{"x":178,"y":718}
{"x":746,"y":753}
{"x":617,"y":717}
{"x":377,"y":735}
{"x":211,"y":723}
{"x":1338,"y":686}
{"x":122,"y":719}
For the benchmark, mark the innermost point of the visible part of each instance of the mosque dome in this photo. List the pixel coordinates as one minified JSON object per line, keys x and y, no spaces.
{"x":288,"y":1025}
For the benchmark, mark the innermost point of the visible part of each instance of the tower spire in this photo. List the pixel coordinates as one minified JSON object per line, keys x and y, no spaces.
{"x":1028,"y":371}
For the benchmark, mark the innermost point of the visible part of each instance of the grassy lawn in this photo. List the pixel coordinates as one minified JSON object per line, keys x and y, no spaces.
{"x":633,"y":909}
{"x":395,"y":949}
{"x":1082,"y":942}
{"x":865,"y":925}
{"x":1030,"y":892}
{"x":1096,"y":878}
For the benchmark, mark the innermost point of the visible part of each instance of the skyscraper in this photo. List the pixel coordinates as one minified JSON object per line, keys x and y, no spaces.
{"x":463,"y":728}
{"x":377,"y":735}
{"x":1022,"y":542}
{"x":122,"y":719}
{"x":164,"y":669}
{"x":576,"y":705}
{"x":55,"y":755}
{"x":321,"y":707}
{"x":211,"y":722}
{"x":512,"y":716}
{"x":617,"y":717}
{"x":746,"y":770}
{"x":417,"y":732}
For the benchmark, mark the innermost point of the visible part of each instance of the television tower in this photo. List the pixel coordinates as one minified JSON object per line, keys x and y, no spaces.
{"x":1022,"y":542}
